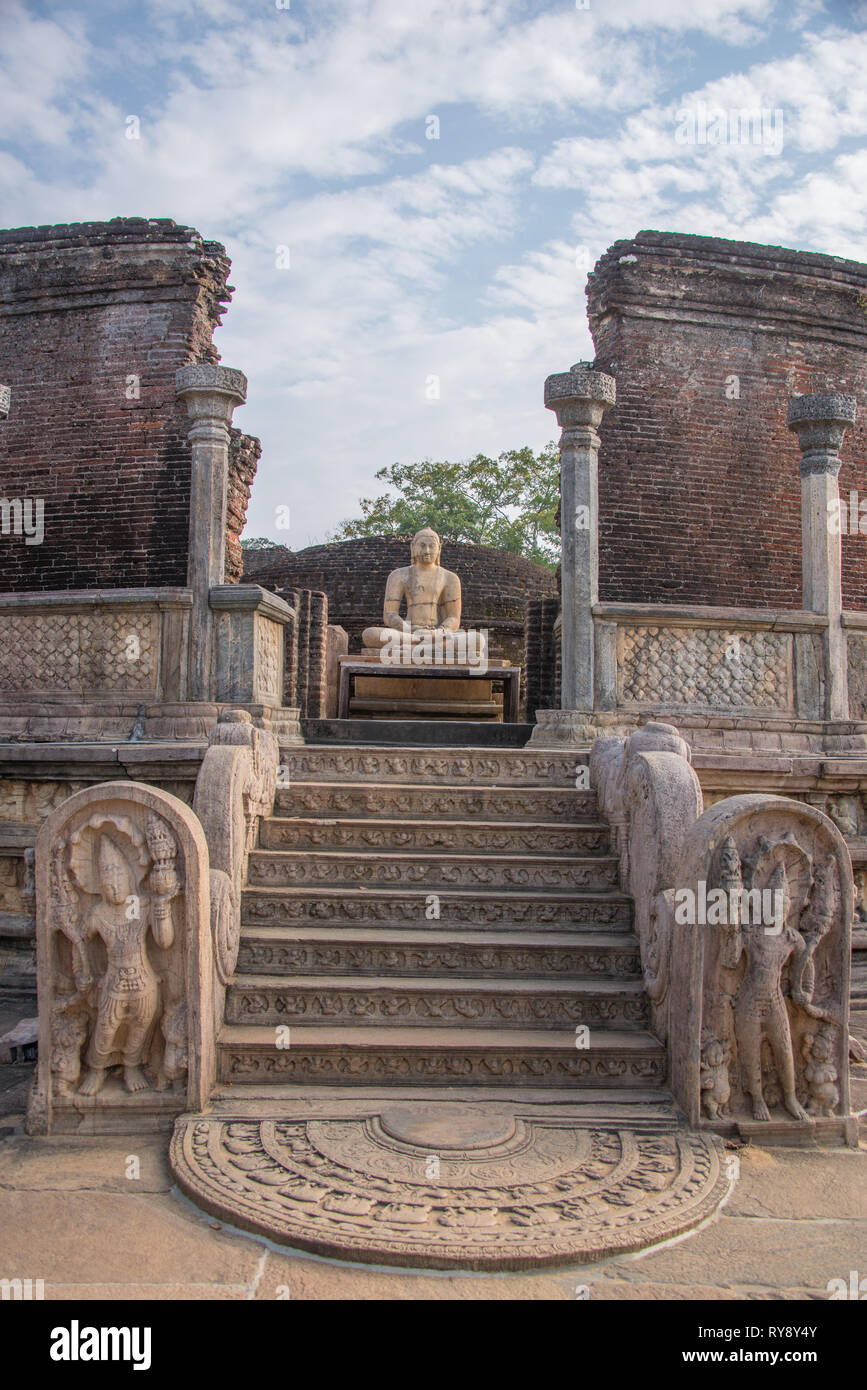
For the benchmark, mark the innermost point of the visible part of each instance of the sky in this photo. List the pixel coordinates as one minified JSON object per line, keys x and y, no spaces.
{"x":413,"y":191}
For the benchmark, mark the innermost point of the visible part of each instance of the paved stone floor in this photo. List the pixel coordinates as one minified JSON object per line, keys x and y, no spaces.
{"x":70,"y":1215}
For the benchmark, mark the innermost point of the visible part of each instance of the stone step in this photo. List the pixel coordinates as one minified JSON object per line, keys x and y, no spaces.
{"x":377,"y":952}
{"x":637,"y":1107}
{"x":467,"y":767}
{"x":476,"y":836}
{"x":500,"y":873}
{"x":398,"y":1056}
{"x":448,"y":909}
{"x":437,"y":1002}
{"x":417,"y":802}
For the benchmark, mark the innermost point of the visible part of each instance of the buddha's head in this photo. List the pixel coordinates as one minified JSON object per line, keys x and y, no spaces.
{"x":425,"y":547}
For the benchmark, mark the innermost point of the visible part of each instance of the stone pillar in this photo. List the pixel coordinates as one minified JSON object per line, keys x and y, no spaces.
{"x":579,"y":399}
{"x":820,"y":421}
{"x":5,"y":401}
{"x":211,"y":393}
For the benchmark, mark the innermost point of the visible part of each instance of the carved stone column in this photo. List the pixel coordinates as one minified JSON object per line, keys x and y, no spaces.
{"x":820,"y":421}
{"x":579,"y":398}
{"x":5,"y":401}
{"x":211,"y":393}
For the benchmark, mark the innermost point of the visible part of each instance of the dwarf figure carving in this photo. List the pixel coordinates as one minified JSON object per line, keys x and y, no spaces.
{"x":820,"y":1071}
{"x":715,"y":1088}
{"x":760,"y":1006}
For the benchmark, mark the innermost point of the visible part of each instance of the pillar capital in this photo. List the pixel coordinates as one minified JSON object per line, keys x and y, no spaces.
{"x":820,"y":421}
{"x":579,"y":398}
{"x":211,"y":393}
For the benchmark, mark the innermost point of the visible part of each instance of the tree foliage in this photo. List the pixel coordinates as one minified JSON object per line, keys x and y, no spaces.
{"x":509,"y":502}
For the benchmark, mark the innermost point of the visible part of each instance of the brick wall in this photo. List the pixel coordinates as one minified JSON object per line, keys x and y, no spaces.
{"x":495,"y":584}
{"x":305,"y":648}
{"x":539,"y":655}
{"x":83,"y":308}
{"x":699,"y":491}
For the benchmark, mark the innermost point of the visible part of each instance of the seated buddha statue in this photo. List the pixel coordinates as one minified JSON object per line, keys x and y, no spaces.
{"x":431,"y":628}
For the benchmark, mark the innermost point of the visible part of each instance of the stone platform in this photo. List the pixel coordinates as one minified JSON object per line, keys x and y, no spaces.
{"x":379,"y":690}
{"x":448,"y":1185}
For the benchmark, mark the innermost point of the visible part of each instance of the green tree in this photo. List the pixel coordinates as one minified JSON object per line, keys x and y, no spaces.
{"x":509,"y":502}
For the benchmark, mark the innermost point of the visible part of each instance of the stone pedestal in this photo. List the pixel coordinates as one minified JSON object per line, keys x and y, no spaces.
{"x":248,"y":656}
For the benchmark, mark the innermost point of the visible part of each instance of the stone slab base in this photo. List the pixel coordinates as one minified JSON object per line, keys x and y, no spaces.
{"x":820,"y":1132}
{"x":447,"y":1186}
{"x":408,"y":733}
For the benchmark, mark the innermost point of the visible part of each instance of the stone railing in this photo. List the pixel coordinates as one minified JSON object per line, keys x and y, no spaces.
{"x":84,"y":645}
{"x":755,"y":666}
{"x":744,"y":920}
{"x":655,"y":658}
{"x":117,"y":664}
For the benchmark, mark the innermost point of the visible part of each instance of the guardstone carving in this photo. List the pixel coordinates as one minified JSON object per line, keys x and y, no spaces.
{"x":124,"y":960}
{"x":772,"y":958}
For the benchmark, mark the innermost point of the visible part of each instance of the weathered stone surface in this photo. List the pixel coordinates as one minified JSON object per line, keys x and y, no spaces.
{"x":529,"y":1194}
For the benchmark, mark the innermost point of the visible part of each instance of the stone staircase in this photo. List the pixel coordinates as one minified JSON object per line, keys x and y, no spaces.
{"x":437,"y":918}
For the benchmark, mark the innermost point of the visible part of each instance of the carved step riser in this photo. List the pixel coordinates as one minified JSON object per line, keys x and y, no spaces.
{"x":452,"y":912}
{"x":432,"y":803}
{"x":385,"y":1067}
{"x":360,"y":1007}
{"x":280,"y":835}
{"x":593,"y":876}
{"x":465,"y":962}
{"x":453,"y":767}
